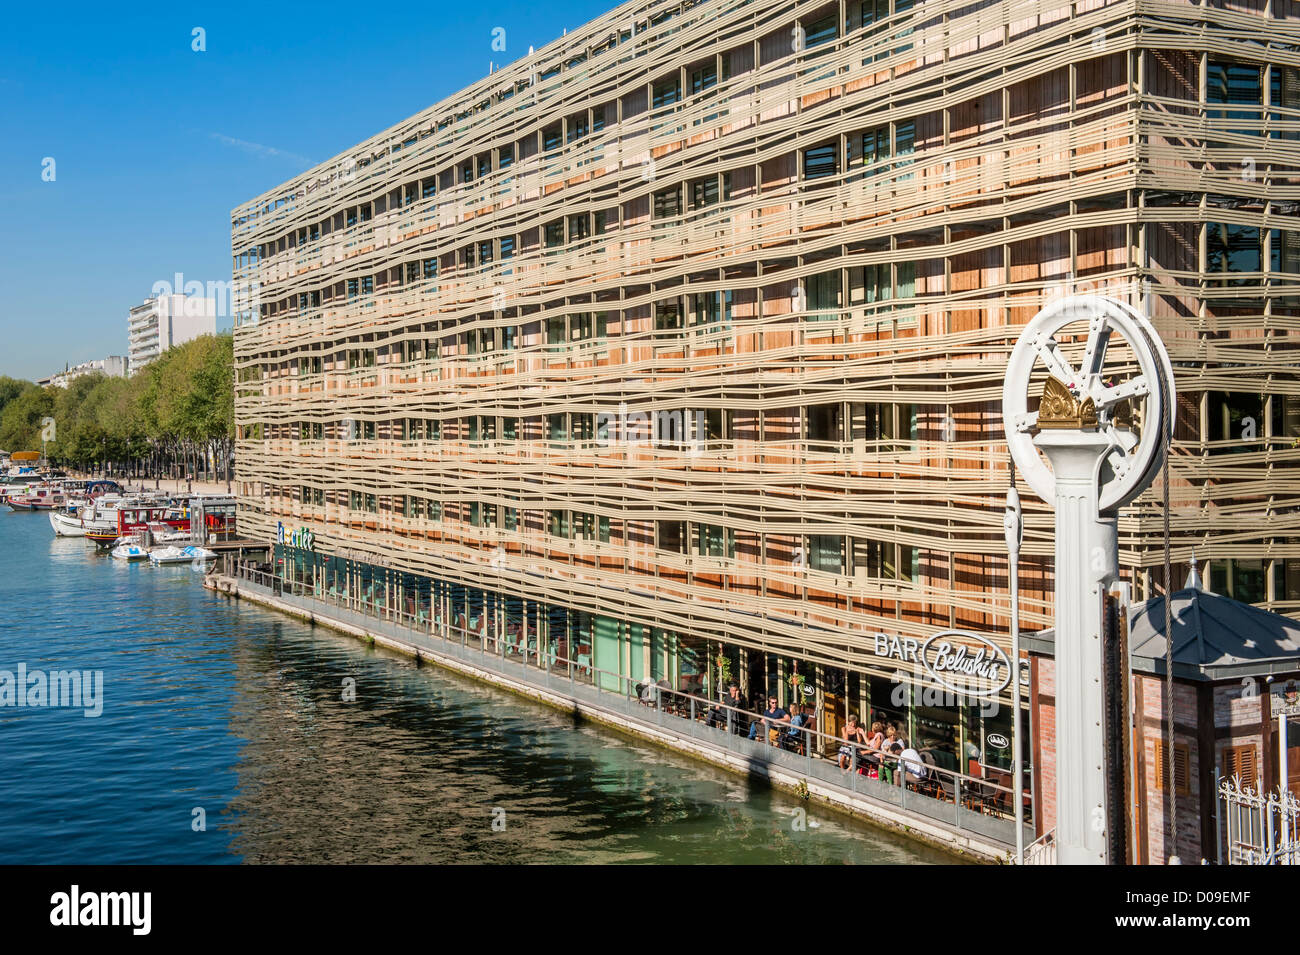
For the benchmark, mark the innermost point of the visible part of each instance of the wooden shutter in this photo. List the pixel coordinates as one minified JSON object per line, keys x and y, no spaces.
{"x":1242,"y":761}
{"x":1182,"y":767}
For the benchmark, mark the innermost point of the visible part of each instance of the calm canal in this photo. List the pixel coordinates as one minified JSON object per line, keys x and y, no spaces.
{"x":225,"y":708}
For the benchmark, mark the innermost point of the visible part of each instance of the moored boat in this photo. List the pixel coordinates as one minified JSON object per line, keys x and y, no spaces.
{"x":66,"y":524}
{"x":180,"y":555}
{"x":129,"y":550}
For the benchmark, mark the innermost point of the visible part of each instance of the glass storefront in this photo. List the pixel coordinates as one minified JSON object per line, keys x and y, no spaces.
{"x":972,"y":736}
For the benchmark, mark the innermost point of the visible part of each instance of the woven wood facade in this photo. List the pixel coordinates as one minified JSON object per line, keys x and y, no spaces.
{"x":698,"y":317}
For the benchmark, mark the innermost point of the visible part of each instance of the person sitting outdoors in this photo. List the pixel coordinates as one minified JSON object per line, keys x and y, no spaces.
{"x":891,"y":737}
{"x":731,"y":698}
{"x":772,"y":716}
{"x":889,"y":759}
{"x":854,"y":736}
{"x":914,"y":769}
{"x":794,"y":736}
{"x":875,"y":744}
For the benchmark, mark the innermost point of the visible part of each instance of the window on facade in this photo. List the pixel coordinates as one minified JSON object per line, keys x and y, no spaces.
{"x":668,"y":203}
{"x":1240,"y":579}
{"x":554,"y":234}
{"x":825,"y":427}
{"x":1242,"y":762}
{"x":671,"y":536}
{"x":667,"y":92}
{"x":579,"y":126}
{"x":823,"y":296}
{"x":505,"y":157}
{"x":712,"y":311}
{"x":551,"y":138}
{"x":559,"y":524}
{"x":825,"y":553}
{"x":705,"y":192}
{"x":704,"y":78}
{"x":714,"y":540}
{"x":579,"y":227}
{"x":1232,"y":248}
{"x":557,"y":429}
{"x":712,"y":424}
{"x":507,"y":247}
{"x":821,"y":161}
{"x":556,"y":332}
{"x":668,"y":316}
{"x":1239,"y":85}
{"x":885,"y":427}
{"x":821,"y":32}
{"x":1182,"y":767}
{"x":1236,"y":418}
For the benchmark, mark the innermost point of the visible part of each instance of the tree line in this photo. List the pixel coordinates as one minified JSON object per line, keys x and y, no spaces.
{"x":173,"y":417}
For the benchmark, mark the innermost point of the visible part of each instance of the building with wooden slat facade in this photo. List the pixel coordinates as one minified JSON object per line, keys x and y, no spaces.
{"x":682,"y":339}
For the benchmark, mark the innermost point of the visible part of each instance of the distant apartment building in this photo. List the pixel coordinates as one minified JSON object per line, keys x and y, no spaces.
{"x":678,"y":347}
{"x":158,"y":323}
{"x":114,"y":366}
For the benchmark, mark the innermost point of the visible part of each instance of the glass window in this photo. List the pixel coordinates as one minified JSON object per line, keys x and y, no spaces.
{"x":667,"y":92}
{"x":1236,"y":418}
{"x":713,"y":540}
{"x":821,"y":32}
{"x":821,"y":161}
{"x":667,"y":203}
{"x":704,"y":77}
{"x":1230,"y":84}
{"x":826,"y":553}
{"x":1232,"y":248}
{"x":671,"y":536}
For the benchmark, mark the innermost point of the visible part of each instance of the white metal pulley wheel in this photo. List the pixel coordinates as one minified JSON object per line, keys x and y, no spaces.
{"x":1133,"y":460}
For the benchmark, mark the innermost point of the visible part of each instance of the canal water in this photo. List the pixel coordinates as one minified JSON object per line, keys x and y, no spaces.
{"x":227,"y":734}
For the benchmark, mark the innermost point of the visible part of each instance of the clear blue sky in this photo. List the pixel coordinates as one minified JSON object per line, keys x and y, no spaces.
{"x":154,"y":143}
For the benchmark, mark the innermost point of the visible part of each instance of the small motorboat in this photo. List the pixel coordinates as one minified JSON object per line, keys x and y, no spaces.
{"x":130,"y":551}
{"x":180,"y":555}
{"x":66,"y":524}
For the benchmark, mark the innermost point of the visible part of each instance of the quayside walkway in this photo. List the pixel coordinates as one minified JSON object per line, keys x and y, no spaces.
{"x":968,"y":815}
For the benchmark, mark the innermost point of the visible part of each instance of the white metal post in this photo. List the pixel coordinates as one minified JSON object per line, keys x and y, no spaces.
{"x":1013,"y":526}
{"x":1283,"y":786}
{"x":1086,"y":552}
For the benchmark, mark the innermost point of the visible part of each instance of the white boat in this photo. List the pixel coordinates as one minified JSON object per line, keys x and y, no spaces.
{"x":66,"y":525}
{"x":130,"y":551}
{"x":180,"y":555}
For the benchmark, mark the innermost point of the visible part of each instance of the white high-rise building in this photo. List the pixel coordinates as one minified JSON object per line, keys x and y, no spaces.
{"x":158,"y":323}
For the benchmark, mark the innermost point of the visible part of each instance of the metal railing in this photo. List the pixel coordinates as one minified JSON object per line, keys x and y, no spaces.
{"x":1042,"y":851}
{"x":1258,"y":828}
{"x":979,"y":805}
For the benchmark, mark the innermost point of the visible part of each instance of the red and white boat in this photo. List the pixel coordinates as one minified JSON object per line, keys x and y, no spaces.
{"x":38,"y":497}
